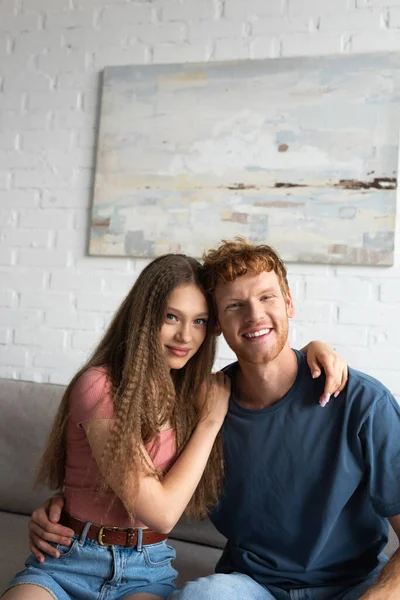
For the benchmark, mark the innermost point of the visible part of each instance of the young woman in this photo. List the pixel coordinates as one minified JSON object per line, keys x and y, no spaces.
{"x":131,"y":442}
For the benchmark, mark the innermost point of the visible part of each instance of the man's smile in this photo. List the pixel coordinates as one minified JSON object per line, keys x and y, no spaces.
{"x":258,"y":333}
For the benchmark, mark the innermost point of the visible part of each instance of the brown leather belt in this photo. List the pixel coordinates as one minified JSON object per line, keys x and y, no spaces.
{"x":109,"y":536}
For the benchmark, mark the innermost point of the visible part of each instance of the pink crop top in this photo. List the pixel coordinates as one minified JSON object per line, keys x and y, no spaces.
{"x":90,"y":399}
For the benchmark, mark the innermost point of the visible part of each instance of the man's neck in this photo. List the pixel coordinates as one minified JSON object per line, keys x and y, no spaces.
{"x":259,"y":386}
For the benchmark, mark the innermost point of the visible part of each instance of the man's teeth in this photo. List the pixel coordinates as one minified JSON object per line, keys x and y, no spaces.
{"x":257,"y":333}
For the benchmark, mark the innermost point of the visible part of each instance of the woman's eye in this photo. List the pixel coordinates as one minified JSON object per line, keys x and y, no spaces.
{"x":234,"y":305}
{"x":170,"y":317}
{"x":200,"y":322}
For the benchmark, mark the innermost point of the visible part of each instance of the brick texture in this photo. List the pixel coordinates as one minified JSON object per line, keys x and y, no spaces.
{"x":54,"y":301}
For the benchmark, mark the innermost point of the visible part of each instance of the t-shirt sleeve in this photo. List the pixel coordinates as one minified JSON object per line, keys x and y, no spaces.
{"x":90,"y":397}
{"x":380,"y":435}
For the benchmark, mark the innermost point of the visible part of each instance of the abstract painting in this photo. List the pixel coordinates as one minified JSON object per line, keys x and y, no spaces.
{"x":298,"y":153}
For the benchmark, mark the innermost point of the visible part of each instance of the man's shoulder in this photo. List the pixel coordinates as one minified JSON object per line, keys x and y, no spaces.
{"x":365,"y":392}
{"x":230,"y":369}
{"x":366,"y":383}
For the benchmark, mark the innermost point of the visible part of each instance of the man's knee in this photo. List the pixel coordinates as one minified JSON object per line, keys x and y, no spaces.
{"x":214,"y":587}
{"x":235,"y":586}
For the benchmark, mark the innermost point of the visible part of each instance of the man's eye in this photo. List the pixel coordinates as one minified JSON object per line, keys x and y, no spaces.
{"x":234,"y":305}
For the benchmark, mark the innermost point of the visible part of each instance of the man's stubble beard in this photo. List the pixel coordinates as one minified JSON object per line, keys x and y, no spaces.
{"x":270,"y":356}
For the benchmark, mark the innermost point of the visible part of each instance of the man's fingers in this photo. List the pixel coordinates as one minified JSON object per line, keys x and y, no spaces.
{"x":42,"y":547}
{"x":38,"y":555}
{"x":36,"y":544}
{"x":54,"y":514}
{"x":40,"y":517}
{"x":56,"y":506}
{"x":58,"y":534}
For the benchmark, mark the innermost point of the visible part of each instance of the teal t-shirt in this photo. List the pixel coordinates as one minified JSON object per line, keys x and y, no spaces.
{"x":308,"y":490}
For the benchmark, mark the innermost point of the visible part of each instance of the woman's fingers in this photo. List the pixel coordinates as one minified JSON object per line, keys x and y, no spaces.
{"x":343,"y":383}
{"x":314,"y":368}
{"x":336,"y":380}
{"x":331,"y":384}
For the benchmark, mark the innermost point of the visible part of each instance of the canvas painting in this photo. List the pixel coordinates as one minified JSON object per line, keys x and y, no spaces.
{"x":298,"y":153}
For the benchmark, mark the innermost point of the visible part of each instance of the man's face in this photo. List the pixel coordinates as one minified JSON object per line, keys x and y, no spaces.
{"x":253,"y":316}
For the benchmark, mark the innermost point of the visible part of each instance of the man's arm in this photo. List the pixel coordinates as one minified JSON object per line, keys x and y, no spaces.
{"x":44,"y":528}
{"x":387,"y":586}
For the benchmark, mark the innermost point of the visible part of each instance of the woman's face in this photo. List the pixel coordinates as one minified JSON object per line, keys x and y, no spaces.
{"x":185,"y":324}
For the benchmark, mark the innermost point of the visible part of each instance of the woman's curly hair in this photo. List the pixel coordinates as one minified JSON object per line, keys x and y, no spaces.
{"x":145,"y":393}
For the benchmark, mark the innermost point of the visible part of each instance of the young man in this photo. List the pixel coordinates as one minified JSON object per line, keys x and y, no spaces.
{"x":308,"y":492}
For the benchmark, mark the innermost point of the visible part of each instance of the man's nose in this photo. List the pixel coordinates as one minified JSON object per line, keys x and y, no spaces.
{"x":253,"y":313}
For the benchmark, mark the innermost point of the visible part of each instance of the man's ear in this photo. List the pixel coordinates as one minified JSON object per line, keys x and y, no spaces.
{"x":290,"y":310}
{"x":217,"y":329}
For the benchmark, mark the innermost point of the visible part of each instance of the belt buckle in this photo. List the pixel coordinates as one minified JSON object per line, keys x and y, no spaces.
{"x":101,"y":533}
{"x":130,"y":536}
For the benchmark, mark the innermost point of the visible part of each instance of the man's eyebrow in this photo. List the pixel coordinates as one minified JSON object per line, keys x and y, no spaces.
{"x":266,"y":291}
{"x":179,"y":312}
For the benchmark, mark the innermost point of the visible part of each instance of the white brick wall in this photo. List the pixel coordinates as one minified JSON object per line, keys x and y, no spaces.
{"x":54,"y":301}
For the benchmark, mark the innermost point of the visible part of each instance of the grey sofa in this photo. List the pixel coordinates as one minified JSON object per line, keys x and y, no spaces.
{"x":27,"y":411}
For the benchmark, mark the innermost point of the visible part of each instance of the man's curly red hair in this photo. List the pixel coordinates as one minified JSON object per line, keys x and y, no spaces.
{"x":236,"y":257}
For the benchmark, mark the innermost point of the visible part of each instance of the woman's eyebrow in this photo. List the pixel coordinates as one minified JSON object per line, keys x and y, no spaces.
{"x":179,"y":312}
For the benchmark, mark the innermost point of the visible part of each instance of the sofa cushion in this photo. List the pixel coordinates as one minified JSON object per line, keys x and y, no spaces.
{"x":193,"y":560}
{"x":27,"y":411}
{"x":15,"y":547}
{"x":202,"y":532}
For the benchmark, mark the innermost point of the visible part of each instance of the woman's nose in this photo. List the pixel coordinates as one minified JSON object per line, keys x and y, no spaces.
{"x":183,"y":333}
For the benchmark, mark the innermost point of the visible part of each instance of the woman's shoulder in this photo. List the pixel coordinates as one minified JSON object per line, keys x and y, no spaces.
{"x":90,"y":396}
{"x":92,"y":378}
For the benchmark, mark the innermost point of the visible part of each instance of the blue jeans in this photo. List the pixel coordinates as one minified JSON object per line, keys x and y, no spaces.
{"x":237,"y":586}
{"x":88,"y":571}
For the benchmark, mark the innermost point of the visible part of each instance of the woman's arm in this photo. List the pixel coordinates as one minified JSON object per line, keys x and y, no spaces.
{"x":159,"y":504}
{"x":322,"y":356}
